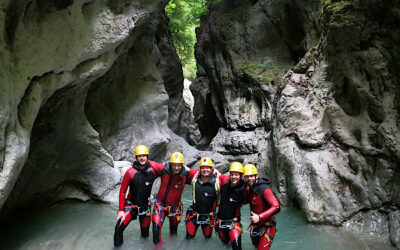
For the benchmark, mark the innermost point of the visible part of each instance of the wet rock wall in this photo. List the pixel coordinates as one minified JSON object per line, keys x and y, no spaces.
{"x":309,"y":92}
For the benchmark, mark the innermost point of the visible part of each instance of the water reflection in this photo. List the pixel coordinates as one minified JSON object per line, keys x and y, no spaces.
{"x":91,"y":226}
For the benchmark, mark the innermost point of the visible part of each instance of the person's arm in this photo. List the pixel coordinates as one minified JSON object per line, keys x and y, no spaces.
{"x":193,"y":173}
{"x":122,"y":192}
{"x":269,"y":197}
{"x":157,"y":168}
{"x":224,"y":179}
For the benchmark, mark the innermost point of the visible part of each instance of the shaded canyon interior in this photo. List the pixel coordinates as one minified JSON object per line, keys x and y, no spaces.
{"x":307,"y":90}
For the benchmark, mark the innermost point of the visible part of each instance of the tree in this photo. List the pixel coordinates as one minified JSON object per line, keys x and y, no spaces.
{"x":184,"y":18}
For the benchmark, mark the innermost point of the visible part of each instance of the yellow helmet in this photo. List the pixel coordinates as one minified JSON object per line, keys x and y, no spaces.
{"x":177,"y":157}
{"x":141,"y":150}
{"x":206,"y":161}
{"x":250,"y":169}
{"x":236,"y":166}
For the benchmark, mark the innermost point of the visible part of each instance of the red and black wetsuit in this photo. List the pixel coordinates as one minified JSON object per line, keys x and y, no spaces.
{"x":232,"y":198}
{"x":201,"y":212}
{"x":140,"y":183}
{"x":168,"y":200}
{"x":263,"y":202}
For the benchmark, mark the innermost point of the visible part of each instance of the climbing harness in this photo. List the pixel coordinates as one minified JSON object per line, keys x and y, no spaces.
{"x":261,"y":230}
{"x":228,"y":224}
{"x":142,"y":210}
{"x":201,"y":219}
{"x":171,"y":211}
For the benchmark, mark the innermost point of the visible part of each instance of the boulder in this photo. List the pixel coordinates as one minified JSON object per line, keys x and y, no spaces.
{"x":394,"y":228}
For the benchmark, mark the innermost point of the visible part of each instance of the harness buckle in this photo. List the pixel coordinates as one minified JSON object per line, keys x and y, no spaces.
{"x":230,"y":224}
{"x":203,"y":219}
{"x":144,"y":210}
{"x":177,"y":210}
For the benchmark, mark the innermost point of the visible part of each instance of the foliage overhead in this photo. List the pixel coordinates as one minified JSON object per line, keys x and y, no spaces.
{"x":184,"y":18}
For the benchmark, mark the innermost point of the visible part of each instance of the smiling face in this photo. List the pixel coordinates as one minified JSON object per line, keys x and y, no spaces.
{"x":205,"y":171}
{"x":250,"y":179}
{"x":235,"y":177}
{"x":142,"y":159}
{"x":176,"y":168}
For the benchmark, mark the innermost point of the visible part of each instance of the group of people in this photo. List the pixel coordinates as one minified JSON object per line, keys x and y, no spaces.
{"x":210,"y":190}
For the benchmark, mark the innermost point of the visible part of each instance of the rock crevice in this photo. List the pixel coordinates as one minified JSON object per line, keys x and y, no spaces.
{"x":327,"y":126}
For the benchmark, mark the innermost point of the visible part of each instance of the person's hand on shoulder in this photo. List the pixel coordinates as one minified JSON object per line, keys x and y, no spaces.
{"x":186,"y":167}
{"x":217,"y":173}
{"x":196,"y":175}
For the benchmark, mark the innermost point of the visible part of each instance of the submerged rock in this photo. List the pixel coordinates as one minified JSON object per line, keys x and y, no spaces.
{"x":373,"y":223}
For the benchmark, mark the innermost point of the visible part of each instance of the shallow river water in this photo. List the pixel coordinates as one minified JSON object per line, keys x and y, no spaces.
{"x":91,"y":226}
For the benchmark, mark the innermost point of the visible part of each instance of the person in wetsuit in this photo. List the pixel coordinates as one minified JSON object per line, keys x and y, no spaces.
{"x":174,"y":176}
{"x":139,"y":178}
{"x":233,"y":195}
{"x":263,"y":207}
{"x":205,"y":198}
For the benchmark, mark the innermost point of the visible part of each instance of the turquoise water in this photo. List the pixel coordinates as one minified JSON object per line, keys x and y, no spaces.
{"x":91,"y":226}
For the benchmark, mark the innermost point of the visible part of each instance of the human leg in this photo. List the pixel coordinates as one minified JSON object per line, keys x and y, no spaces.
{"x":223,"y":235}
{"x":191,"y":223}
{"x":144,"y":225}
{"x":122,"y":223}
{"x":267,"y":238}
{"x":158,"y":219}
{"x":235,"y":236}
{"x":207,"y":230}
{"x":173,"y":225}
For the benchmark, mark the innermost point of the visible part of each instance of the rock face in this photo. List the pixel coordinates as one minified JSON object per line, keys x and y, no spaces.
{"x":170,"y":68}
{"x":243,"y":47}
{"x":327,"y":132}
{"x":132,"y":92}
{"x":82,"y":83}
{"x":193,"y":155}
{"x":307,"y":90}
{"x":336,"y":137}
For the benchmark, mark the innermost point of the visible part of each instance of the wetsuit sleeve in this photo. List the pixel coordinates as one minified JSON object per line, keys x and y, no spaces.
{"x":124,"y":186}
{"x":157,"y":168}
{"x":224,"y":179}
{"x":192,"y":172}
{"x":269,"y":197}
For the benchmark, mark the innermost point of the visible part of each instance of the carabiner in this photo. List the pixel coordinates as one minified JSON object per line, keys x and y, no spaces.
{"x":255,"y":234}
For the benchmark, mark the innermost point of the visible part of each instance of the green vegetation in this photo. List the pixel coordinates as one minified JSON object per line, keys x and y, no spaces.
{"x":267,"y":71}
{"x":340,"y":12}
{"x":184,"y":18}
{"x":237,"y":14}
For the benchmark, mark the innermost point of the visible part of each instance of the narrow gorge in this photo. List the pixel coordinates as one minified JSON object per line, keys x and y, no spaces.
{"x":309,"y":91}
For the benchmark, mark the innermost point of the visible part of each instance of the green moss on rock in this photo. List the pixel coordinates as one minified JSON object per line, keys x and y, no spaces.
{"x":231,"y":15}
{"x":341,"y":12}
{"x":267,"y":71}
